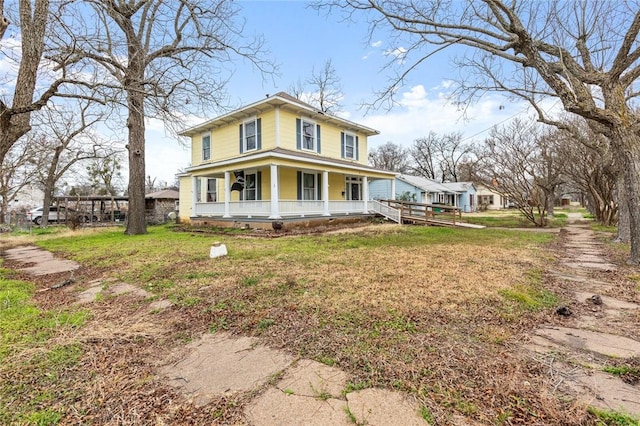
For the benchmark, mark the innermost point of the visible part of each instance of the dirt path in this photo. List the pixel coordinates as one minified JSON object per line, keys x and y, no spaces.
{"x":601,"y":331}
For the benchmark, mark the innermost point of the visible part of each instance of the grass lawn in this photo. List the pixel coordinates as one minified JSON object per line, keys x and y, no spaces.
{"x":435,"y":312}
{"x":513,"y":218}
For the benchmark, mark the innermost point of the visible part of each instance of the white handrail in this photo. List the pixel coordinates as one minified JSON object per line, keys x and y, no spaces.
{"x":387,"y":211}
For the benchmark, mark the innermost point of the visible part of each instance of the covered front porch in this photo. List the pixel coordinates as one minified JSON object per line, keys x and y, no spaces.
{"x":282,"y":191}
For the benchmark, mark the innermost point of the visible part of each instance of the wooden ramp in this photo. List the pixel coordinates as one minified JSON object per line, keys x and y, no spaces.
{"x":429,"y":214}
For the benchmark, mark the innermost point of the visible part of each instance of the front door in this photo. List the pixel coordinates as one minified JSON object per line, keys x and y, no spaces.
{"x":353,"y":188}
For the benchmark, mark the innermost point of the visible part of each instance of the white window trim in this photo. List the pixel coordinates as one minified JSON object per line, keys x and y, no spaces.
{"x":353,"y":136}
{"x":253,"y":120}
{"x":202,"y":143}
{"x":315,"y":134}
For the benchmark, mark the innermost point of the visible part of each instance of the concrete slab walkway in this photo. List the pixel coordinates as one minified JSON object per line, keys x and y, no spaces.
{"x":290,"y":392}
{"x":576,"y":354}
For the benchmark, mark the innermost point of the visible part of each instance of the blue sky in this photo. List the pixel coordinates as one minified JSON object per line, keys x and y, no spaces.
{"x":300,"y":38}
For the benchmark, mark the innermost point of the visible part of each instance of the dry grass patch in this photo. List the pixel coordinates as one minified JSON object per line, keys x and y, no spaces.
{"x":429,"y":311}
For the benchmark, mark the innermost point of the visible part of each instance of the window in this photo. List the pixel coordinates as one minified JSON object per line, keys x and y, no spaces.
{"x":206,"y":147}
{"x":485,"y":199}
{"x":212,"y":190}
{"x":250,"y":187}
{"x":308,"y":135}
{"x":198,"y":190}
{"x":349,"y":145}
{"x":309,"y":190}
{"x":250,"y":135}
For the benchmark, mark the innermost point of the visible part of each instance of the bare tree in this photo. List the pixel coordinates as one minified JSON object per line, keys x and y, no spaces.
{"x":453,"y":151}
{"x":549,"y":172}
{"x":424,"y":153}
{"x":105,"y":174}
{"x":322,"y":89}
{"x":65,"y":139}
{"x":162,"y":59}
{"x":591,"y":171}
{"x":585,"y":54}
{"x":32,"y":18}
{"x":439,"y":157}
{"x":390,"y":156}
{"x":516,"y":167}
{"x":326,"y":90}
{"x":17,"y":171}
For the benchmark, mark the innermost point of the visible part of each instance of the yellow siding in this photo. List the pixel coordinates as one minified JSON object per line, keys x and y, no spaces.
{"x":288,"y":130}
{"x":185,"y":199}
{"x":288,"y":184}
{"x":330,"y":138}
{"x":225,"y":141}
{"x":336,"y":186}
{"x":268,"y":125}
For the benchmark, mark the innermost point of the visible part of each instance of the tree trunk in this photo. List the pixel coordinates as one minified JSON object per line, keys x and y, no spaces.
{"x":14,"y":125}
{"x":136,"y":223}
{"x":624,"y":226}
{"x":627,"y":151}
{"x":49,"y":183}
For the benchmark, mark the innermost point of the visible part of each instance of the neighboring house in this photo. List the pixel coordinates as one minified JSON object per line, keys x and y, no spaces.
{"x":489,"y":199}
{"x":466,"y":195}
{"x":428,"y":191}
{"x":277,"y":158}
{"x":159,"y":204}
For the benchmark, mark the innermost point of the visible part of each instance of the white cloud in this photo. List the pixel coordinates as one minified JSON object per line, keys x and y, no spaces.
{"x":399,"y":53}
{"x":376,"y":43}
{"x":421,"y":111}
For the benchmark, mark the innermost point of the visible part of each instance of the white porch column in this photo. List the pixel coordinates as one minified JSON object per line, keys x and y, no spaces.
{"x":227,"y":195}
{"x":365,"y":194}
{"x":194,"y":195}
{"x":393,"y":189}
{"x":325,"y":193}
{"x":275,"y":193}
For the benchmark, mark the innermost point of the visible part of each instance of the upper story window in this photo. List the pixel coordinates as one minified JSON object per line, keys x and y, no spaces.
{"x":349,"y":142}
{"x":250,"y":135}
{"x":308,"y":135}
{"x":206,"y":147}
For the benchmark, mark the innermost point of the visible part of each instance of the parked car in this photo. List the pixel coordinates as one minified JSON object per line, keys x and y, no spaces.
{"x":58,"y":214}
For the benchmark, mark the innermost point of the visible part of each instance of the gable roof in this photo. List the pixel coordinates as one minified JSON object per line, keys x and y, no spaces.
{"x":284,"y":101}
{"x":427,"y":185}
{"x":459,"y":186}
{"x":165,"y":194}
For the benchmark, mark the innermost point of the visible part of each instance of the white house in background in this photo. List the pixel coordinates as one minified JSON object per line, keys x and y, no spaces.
{"x":27,"y":198}
{"x":427,"y":191}
{"x":489,"y":199}
{"x":466,"y":195}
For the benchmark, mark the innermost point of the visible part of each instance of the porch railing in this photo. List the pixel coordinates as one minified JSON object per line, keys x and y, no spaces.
{"x":301,"y":207}
{"x":285,"y":208}
{"x":387,"y":211}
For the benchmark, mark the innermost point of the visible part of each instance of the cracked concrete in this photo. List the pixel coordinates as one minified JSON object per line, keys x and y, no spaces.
{"x":576,"y":354}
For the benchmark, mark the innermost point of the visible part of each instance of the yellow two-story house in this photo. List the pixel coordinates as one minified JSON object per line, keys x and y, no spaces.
{"x":277,"y":158}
